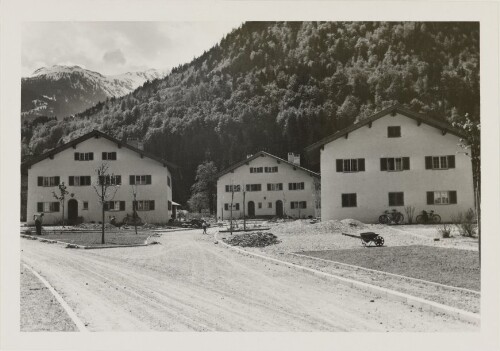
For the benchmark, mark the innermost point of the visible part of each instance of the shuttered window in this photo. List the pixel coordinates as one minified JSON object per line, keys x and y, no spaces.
{"x":394,"y":132}
{"x":48,"y":181}
{"x":84,"y":156}
{"x":111,"y":156}
{"x":448,"y":197}
{"x":349,"y":200}
{"x":350,"y":165}
{"x":145,"y":205}
{"x":396,"y":199}
{"x":395,"y":164}
{"x":47,"y":206}
{"x":440,"y":162}
{"x":140,"y":179}
{"x":79,"y":181}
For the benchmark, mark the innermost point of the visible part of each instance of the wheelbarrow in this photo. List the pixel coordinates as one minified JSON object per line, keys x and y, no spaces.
{"x":368,"y":238}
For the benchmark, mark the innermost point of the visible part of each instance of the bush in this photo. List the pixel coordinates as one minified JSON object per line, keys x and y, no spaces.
{"x":445,"y":230}
{"x":466,"y":223}
{"x":410,"y":212}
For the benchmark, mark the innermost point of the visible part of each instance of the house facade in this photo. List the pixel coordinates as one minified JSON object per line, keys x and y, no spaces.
{"x":131,"y":170}
{"x":264,"y":185}
{"x":392,"y":160}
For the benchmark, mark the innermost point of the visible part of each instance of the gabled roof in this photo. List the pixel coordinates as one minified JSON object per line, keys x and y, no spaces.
{"x":263,"y":153}
{"x":397,"y":108}
{"x":92,"y":134}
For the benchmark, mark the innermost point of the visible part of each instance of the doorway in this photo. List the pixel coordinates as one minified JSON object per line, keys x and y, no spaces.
{"x":279,"y":208}
{"x":251,"y":209}
{"x":72,"y":211}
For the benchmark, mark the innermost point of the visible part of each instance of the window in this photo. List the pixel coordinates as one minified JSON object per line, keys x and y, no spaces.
{"x":296,"y":186}
{"x":85,"y":205}
{"x":48,"y":181}
{"x":47,"y":206}
{"x":253,"y":187}
{"x":144,"y":205}
{"x":260,"y":204}
{"x":441,"y":197}
{"x":236,"y":207}
{"x":169,"y":205}
{"x":440,"y":162}
{"x":231,"y":188}
{"x":351,"y":165}
{"x":298,"y":204}
{"x":168,"y":181}
{"x":112,"y":180}
{"x":79,"y":180}
{"x":394,"y":132}
{"x":111,"y":156}
{"x":140,"y":179}
{"x":269,"y":205}
{"x":349,"y":200}
{"x":274,"y":186}
{"x":271,"y":169}
{"x":395,"y":164}
{"x":256,"y":169}
{"x":396,"y":199}
{"x":114,"y":206}
{"x":84,"y":156}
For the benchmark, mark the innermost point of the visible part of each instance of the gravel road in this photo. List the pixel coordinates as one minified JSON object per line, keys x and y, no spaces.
{"x":190,"y":284}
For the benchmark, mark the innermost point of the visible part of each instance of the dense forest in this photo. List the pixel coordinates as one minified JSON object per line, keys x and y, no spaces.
{"x":280,"y":86}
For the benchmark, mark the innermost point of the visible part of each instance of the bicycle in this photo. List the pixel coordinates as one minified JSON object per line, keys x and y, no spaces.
{"x":391,"y":217}
{"x":428,"y":217}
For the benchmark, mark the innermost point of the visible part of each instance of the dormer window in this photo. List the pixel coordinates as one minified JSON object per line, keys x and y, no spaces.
{"x":394,"y":132}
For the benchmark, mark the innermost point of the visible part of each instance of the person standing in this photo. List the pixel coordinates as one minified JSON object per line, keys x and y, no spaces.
{"x":204,"y":226}
{"x":38,"y":223}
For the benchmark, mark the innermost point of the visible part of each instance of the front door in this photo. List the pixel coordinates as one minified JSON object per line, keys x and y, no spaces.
{"x":72,"y":211}
{"x":279,"y":208}
{"x":251,"y":209}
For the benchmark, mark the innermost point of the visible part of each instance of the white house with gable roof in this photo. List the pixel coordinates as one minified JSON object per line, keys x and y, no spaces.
{"x":393,"y":159}
{"x":264,"y":185}
{"x":75,"y":164}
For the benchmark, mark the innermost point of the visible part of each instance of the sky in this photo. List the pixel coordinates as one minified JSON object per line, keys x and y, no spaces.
{"x":117,"y":47}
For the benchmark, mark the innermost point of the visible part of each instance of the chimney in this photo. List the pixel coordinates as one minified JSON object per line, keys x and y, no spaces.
{"x":294,"y":158}
{"x":249,"y":155}
{"x":135,"y":142}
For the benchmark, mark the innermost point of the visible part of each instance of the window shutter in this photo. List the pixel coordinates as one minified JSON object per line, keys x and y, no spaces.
{"x":71,"y":180}
{"x":104,"y":155}
{"x":106,"y":206}
{"x":134,"y":205}
{"x":344,"y":200}
{"x":39,"y":206}
{"x":392,"y":199}
{"x":148,"y":179}
{"x":57,"y":180}
{"x":453,"y":197}
{"x":428,"y":162}
{"x":91,"y":156}
{"x":406,"y":163}
{"x":451,"y":161}
{"x":430,"y":198}
{"x":77,"y":156}
{"x":132,"y":180}
{"x":122,"y":205}
{"x":340,"y":165}
{"x":361,"y":164}
{"x":151,"y":205}
{"x":118,"y":180}
{"x":40,"y":181}
{"x":87,"y":180}
{"x":383,"y":164}
{"x":56,"y":206}
{"x":289,"y":186}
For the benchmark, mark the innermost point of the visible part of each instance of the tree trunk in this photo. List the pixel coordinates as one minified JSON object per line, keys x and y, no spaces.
{"x":103,"y":212}
{"x":244,"y":215}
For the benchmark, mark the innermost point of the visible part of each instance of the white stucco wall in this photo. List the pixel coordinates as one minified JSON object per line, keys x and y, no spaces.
{"x":127,"y":163}
{"x":373,"y":185}
{"x":286,"y":174}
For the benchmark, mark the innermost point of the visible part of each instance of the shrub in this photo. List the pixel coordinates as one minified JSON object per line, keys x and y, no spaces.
{"x":445,"y":230}
{"x":410,"y":212}
{"x":466,"y":223}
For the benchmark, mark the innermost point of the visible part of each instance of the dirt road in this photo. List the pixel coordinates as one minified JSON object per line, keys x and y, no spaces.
{"x":190,"y":284}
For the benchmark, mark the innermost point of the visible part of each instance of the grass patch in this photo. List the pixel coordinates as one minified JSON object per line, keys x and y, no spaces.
{"x":94,"y":238}
{"x":453,"y":267}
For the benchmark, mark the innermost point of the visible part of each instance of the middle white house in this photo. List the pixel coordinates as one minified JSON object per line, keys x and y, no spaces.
{"x":264,"y":185}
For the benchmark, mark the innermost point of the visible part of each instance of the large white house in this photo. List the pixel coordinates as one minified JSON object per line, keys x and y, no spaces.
{"x":75,"y":164}
{"x":264,"y":185}
{"x":393,"y":159}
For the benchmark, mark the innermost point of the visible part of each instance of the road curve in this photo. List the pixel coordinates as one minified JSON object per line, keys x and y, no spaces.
{"x":190,"y":284}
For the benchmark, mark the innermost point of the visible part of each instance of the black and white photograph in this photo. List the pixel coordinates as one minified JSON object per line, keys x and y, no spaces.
{"x":248,"y":173}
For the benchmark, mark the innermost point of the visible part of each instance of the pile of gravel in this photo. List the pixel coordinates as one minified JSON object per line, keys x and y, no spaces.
{"x":253,"y":239}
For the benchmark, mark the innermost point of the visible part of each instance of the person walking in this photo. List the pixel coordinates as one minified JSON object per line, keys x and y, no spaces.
{"x":38,"y":223}
{"x":204,"y":226}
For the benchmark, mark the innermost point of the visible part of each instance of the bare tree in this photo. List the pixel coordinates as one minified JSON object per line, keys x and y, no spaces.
{"x":134,"y":206}
{"x":105,"y":188}
{"x":61,"y":197}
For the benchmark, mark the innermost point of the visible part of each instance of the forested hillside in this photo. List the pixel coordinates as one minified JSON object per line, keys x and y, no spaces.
{"x":281,"y":86}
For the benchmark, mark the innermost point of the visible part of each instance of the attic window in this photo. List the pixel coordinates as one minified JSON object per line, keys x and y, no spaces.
{"x":394,"y":132}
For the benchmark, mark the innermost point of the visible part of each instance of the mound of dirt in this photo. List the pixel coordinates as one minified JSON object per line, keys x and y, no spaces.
{"x":301,"y":227}
{"x":254,"y":239}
